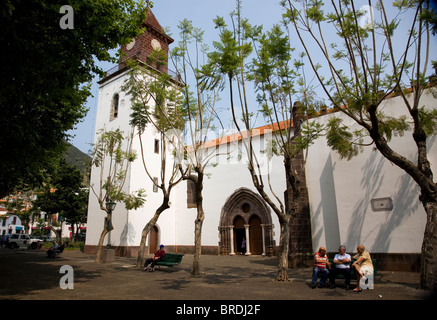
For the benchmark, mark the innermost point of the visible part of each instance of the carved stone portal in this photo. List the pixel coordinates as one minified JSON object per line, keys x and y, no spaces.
{"x":246,"y":217}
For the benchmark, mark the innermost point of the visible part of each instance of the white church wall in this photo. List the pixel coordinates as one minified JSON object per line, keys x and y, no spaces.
{"x":341,"y":194}
{"x":226,"y":177}
{"x":96,"y":216}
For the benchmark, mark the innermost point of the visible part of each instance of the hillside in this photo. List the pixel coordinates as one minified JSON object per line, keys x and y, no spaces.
{"x":80,"y":160}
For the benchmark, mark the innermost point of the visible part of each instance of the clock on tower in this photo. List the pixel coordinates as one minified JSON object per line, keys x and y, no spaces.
{"x":152,"y":39}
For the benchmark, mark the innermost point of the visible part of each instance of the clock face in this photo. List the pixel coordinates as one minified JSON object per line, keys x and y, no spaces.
{"x":130,"y":45}
{"x":155,"y":44}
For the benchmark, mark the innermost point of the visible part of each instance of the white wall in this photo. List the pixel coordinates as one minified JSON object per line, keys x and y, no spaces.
{"x":96,"y":216}
{"x":341,"y":192}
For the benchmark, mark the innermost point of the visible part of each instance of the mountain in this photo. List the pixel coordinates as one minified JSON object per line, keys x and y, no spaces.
{"x":80,"y":160}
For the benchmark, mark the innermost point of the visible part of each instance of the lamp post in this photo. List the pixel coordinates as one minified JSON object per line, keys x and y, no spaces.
{"x":110,"y":206}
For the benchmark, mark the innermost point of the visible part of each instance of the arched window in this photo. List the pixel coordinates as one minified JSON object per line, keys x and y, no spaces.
{"x":114,"y":106}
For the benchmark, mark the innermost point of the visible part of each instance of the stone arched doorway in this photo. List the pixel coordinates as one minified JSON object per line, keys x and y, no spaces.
{"x":245,"y":215}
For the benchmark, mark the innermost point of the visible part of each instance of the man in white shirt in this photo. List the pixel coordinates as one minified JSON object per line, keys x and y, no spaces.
{"x":342,"y":262}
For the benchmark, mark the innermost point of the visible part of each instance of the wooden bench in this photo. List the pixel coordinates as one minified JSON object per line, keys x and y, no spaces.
{"x":170,"y":260}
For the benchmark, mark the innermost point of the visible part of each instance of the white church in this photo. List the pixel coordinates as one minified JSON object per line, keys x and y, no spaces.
{"x":366,"y":200}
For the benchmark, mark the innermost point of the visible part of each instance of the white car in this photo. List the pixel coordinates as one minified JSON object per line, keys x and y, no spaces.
{"x":17,"y":240}
{"x":35,"y":243}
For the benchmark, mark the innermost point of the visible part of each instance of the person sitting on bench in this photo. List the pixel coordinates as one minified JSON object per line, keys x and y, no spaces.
{"x":363,"y":266}
{"x":55,"y":249}
{"x":159,"y":256}
{"x":342,"y":262}
{"x":52,"y":250}
{"x":60,"y":248}
{"x":321,"y":265}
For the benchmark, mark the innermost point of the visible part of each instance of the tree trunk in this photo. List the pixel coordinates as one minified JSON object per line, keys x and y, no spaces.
{"x":108,"y":227}
{"x":428,"y":277}
{"x":198,"y":241}
{"x":100,"y":246}
{"x":198,"y":223}
{"x":284,"y":245}
{"x":57,"y":234}
{"x":148,"y":227}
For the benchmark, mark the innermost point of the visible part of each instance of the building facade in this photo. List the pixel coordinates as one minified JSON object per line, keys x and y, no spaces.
{"x":365,"y":200}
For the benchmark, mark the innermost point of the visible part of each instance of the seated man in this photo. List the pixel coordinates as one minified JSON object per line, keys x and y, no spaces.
{"x":363,"y":265}
{"x":342,"y":262}
{"x":60,"y":249}
{"x":320,"y":264}
{"x":159,"y":256}
{"x":52,"y":250}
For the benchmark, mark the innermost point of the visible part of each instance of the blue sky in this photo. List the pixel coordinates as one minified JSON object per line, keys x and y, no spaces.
{"x":201,"y":12}
{"x":169,"y":13}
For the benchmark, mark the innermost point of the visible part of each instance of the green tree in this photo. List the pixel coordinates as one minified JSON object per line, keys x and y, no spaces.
{"x":112,"y":156}
{"x":369,"y":59}
{"x":200,"y":105}
{"x":65,"y":195}
{"x":45,"y":76}
{"x":273,"y":73}
{"x":71,"y":194}
{"x":47,"y":201}
{"x":156,"y":103}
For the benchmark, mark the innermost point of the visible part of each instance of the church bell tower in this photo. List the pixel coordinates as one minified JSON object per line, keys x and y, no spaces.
{"x":113,"y":112}
{"x":142,"y":47}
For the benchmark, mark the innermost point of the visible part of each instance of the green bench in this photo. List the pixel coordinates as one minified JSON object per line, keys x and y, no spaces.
{"x":170,"y":260}
{"x":353,"y":275}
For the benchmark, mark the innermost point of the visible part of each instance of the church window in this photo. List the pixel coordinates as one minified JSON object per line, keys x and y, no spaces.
{"x":155,"y":184}
{"x":114,"y":106}
{"x":156,"y":146}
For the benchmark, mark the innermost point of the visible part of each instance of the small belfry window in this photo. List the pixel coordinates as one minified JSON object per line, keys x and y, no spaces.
{"x":114,"y":106}
{"x":155,"y":184}
{"x":156,"y":146}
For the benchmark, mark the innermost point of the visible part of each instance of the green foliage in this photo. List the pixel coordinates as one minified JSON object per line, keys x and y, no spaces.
{"x":64,"y":194}
{"x":340,"y":139}
{"x":156,"y":100}
{"x":113,"y":154}
{"x":428,"y":120}
{"x":45,"y":71}
{"x":359,"y":73}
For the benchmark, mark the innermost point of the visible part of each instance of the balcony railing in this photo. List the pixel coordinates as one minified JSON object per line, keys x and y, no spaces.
{"x":174,"y":75}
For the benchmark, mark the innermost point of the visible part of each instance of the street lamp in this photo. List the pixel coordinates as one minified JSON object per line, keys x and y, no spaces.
{"x":110,"y":206}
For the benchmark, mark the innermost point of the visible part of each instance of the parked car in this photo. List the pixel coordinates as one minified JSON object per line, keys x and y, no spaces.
{"x":35,"y":242}
{"x":17,"y":240}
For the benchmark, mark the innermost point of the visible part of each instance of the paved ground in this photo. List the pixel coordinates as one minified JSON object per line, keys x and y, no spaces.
{"x":32,"y":276}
